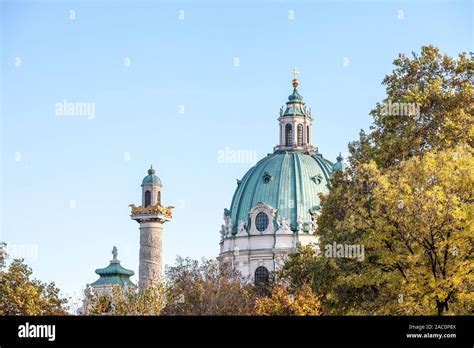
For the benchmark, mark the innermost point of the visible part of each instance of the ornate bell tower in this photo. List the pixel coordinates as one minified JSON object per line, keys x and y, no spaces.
{"x":151,"y":216}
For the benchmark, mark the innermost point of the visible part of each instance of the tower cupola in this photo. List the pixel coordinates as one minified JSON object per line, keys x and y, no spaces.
{"x":151,"y":189}
{"x":295,"y":122}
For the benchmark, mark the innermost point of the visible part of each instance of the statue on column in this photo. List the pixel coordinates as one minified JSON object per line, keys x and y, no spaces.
{"x":299,"y":225}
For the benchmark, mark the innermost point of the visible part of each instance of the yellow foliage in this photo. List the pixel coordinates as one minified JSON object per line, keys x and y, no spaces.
{"x":282,"y":302}
{"x":129,"y":301}
{"x":20,"y":295}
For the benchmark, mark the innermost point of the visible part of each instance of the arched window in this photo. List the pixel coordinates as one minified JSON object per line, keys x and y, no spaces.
{"x":288,"y":135}
{"x":308,"y":141}
{"x":158,"y":197}
{"x":300,"y":135}
{"x":261,"y":275}
{"x":147,"y":198}
{"x":261,"y":221}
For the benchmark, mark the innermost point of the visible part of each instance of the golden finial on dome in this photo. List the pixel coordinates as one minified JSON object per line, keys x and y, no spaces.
{"x":295,"y":73}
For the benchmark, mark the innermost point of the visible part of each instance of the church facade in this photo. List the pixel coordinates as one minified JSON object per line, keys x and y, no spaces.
{"x":276,"y":203}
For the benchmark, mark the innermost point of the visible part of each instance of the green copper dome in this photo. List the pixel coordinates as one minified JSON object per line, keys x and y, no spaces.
{"x":295,"y":104}
{"x":288,"y":181}
{"x":151,"y":178}
{"x":340,"y":165}
{"x":295,"y":97}
{"x":114,"y":273}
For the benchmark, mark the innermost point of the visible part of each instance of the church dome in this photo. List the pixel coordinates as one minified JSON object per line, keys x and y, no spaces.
{"x":277,"y":203}
{"x":151,"y":179}
{"x":340,"y":165}
{"x":288,"y":181}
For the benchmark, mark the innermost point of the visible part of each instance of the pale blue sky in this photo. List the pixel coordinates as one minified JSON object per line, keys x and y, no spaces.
{"x":177,"y":62}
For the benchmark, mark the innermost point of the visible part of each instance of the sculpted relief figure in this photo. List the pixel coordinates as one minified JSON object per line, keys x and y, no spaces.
{"x":300,"y":224}
{"x":228,"y":226}
{"x":152,"y":209}
{"x":284,"y":225}
{"x":241,"y":227}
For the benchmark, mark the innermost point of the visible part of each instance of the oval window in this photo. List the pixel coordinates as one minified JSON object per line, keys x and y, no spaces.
{"x":261,"y":221}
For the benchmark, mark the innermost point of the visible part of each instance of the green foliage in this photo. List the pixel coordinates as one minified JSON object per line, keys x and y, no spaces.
{"x":207,"y":288}
{"x":21,"y":295}
{"x":307,"y":266}
{"x":129,"y":301}
{"x":415,"y":221}
{"x":442,"y":87}
{"x":407,"y":197}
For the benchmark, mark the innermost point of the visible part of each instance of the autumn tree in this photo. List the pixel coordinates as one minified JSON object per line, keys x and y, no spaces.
{"x":422,"y":232}
{"x":189,"y":287}
{"x":308,"y":267}
{"x":128,"y":301}
{"x":407,"y":198}
{"x":21,"y":295}
{"x":439,"y":87}
{"x":3,"y":255}
{"x":282,"y":301}
{"x":207,"y":288}
{"x":416,"y":223}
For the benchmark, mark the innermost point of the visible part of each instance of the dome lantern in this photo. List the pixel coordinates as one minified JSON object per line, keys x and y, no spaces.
{"x":151,"y":179}
{"x":295,"y":122}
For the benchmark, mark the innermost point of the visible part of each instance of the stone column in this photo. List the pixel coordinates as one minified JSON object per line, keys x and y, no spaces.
{"x":150,"y":252}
